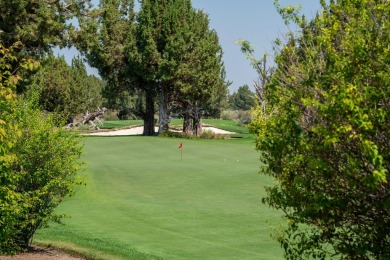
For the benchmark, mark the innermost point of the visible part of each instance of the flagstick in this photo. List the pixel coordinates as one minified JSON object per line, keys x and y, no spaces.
{"x":181,"y":151}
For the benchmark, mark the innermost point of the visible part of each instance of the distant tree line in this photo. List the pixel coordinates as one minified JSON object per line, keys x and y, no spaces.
{"x":243,"y":99}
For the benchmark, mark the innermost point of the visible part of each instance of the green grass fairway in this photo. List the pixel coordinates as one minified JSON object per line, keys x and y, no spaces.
{"x":142,"y":202}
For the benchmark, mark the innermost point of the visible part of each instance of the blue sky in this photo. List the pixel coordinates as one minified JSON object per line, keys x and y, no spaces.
{"x":254,"y":20}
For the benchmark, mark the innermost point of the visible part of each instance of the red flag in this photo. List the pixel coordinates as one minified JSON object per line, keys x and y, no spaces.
{"x":181,"y":145}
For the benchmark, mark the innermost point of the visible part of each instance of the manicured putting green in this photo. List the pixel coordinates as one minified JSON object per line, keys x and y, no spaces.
{"x":143,"y":202}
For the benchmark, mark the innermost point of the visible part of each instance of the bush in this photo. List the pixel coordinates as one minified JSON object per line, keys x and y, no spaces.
{"x":111,"y":115}
{"x":172,"y":134}
{"x":244,"y":117}
{"x":208,"y":134}
{"x":324,"y":133}
{"x":176,"y":134}
{"x":240,"y":116}
{"x":228,"y":115}
{"x":43,"y":173}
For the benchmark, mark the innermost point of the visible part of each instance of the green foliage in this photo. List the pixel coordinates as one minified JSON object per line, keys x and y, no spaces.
{"x":198,"y":74}
{"x":65,"y":89}
{"x":37,"y":162}
{"x":8,"y":135}
{"x":208,"y":134}
{"x":107,"y":39}
{"x":171,"y":134}
{"x":37,"y":24}
{"x":165,"y":51}
{"x":33,"y":27}
{"x":42,"y":173}
{"x":243,"y":99}
{"x":86,"y":90}
{"x":240,"y":116}
{"x":324,"y":133}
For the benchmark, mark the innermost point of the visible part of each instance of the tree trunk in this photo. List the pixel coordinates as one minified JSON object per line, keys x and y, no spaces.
{"x":163,"y":118}
{"x":197,"y":120}
{"x":187,"y":128}
{"x":149,"y":114}
{"x":197,"y":125}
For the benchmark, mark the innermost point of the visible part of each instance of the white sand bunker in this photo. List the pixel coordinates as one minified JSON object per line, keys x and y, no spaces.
{"x":138,"y":130}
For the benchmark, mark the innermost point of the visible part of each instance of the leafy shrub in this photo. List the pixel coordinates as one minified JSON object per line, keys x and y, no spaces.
{"x":111,"y":115}
{"x":229,"y":114}
{"x":172,"y":134}
{"x":240,"y":116}
{"x":323,"y":133}
{"x":176,"y":134}
{"x":43,"y":173}
{"x":244,"y":117}
{"x":208,"y":134}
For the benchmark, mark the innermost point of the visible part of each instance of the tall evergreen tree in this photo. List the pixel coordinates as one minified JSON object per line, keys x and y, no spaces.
{"x":55,"y":81}
{"x":141,"y":53}
{"x":150,"y":43}
{"x":105,"y":38}
{"x":66,"y":89}
{"x":199,"y":74}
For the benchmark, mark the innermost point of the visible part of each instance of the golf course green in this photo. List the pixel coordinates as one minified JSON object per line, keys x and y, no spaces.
{"x":143,"y":201}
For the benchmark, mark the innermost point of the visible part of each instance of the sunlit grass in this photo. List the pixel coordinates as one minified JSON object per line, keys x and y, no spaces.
{"x":143,"y":202}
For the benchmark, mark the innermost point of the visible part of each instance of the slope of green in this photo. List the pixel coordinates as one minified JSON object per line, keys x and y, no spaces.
{"x":142,"y":201}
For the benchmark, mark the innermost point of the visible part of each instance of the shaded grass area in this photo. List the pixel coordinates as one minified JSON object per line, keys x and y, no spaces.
{"x":143,"y":202}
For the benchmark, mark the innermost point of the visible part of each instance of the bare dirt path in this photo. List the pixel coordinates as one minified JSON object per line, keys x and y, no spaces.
{"x":43,"y":253}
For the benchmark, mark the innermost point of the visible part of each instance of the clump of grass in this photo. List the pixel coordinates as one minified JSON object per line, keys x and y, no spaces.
{"x":208,"y":134}
{"x":168,"y":133}
{"x":240,"y":116}
{"x":111,"y":115}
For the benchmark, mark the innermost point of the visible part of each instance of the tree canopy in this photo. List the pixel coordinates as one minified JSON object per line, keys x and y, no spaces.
{"x":243,"y":99}
{"x":67,"y":89}
{"x":324,"y":133}
{"x":153,"y":52}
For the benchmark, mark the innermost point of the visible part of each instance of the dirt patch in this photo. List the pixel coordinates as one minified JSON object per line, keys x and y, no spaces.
{"x":43,"y":253}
